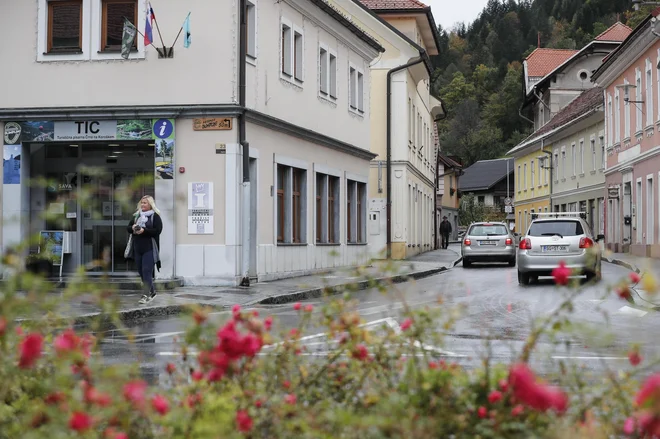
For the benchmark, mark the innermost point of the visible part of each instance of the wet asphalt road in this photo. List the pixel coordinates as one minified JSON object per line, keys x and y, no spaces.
{"x":494,"y":304}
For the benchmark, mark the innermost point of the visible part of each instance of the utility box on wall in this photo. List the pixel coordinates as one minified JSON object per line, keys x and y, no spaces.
{"x":377,"y":225}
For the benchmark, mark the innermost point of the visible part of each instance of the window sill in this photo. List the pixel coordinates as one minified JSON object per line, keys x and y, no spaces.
{"x":327,"y":97}
{"x":626,"y":139}
{"x":328,"y":244}
{"x":115,"y":51}
{"x":639,"y":133}
{"x":592,"y":172}
{"x":64,"y":52}
{"x":292,"y":244}
{"x":252,"y":60}
{"x":563,"y":180}
{"x":356,"y":243}
{"x":574,"y":177}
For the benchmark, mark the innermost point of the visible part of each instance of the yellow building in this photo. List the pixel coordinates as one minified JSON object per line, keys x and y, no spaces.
{"x":532,"y":181}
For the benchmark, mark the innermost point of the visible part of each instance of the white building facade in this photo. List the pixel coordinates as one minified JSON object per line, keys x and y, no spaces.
{"x":171,"y":123}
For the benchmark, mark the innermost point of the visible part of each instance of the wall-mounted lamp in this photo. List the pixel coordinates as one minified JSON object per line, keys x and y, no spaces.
{"x":626,"y":93}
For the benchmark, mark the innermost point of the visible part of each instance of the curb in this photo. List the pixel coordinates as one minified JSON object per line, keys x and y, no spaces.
{"x":296,"y":296}
{"x":636,"y":269}
{"x":624,"y":264}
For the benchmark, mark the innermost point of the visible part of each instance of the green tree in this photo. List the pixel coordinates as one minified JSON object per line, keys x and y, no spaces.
{"x":469,"y":211}
{"x":457,"y":91}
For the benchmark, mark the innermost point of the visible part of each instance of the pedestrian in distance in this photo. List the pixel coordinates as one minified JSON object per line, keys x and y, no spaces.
{"x":144,"y":231}
{"x":445,"y":231}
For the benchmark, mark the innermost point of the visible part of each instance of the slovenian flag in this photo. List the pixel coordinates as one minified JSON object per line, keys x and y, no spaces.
{"x":149,"y":25}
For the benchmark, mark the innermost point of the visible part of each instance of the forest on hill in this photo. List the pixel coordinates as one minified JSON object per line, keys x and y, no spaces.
{"x":478,"y":73}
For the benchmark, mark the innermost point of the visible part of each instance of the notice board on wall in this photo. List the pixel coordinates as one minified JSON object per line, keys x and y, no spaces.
{"x":200,"y":208}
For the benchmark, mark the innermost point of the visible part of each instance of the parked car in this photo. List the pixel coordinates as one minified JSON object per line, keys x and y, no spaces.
{"x":555,"y":237}
{"x":488,"y":242}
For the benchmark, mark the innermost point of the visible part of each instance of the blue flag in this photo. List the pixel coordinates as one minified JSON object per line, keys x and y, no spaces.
{"x":186,"y":32}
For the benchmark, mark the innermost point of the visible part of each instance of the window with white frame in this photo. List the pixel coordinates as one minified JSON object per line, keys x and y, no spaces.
{"x":525,"y":176}
{"x":638,"y":98}
{"x":649,"y":93}
{"x":626,"y":126}
{"x":327,"y":72}
{"x":410,"y":122}
{"x":563,"y":163}
{"x":581,"y":156}
{"x":533,"y":171}
{"x":657,"y":73}
{"x":65,"y":30}
{"x":593,"y":154}
{"x":541,"y":172}
{"x":603,"y":157}
{"x":327,"y":209}
{"x":112,"y":22}
{"x":292,"y":51}
{"x":555,"y":166}
{"x":356,"y":89}
{"x":356,"y":212}
{"x":573,"y":158}
{"x":251,"y":16}
{"x":610,"y":121}
{"x":291,"y":205}
{"x":617,"y":117}
{"x":519,"y":179}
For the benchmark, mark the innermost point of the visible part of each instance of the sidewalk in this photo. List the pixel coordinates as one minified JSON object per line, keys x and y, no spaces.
{"x":642,"y":266}
{"x":174,"y":301}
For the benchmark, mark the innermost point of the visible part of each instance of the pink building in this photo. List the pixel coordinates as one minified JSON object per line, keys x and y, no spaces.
{"x":630,"y":77}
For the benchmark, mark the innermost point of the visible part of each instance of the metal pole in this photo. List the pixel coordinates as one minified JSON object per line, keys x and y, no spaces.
{"x":247,"y":208}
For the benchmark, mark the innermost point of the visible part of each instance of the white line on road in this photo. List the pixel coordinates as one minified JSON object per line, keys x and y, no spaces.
{"x":631,"y":311}
{"x":560,"y":357}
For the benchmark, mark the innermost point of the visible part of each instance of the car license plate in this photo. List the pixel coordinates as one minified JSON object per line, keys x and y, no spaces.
{"x":554,"y":248}
{"x":487,"y":243}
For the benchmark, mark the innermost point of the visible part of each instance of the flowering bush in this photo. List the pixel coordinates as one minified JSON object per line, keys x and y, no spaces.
{"x":242,"y":378}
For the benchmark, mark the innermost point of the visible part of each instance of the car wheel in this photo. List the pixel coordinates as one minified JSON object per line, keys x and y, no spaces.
{"x":593,"y":276}
{"x":512,"y":262}
{"x":523,"y":278}
{"x":466,"y":263}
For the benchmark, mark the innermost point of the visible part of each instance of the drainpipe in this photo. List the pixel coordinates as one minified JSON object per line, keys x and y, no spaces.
{"x":245,"y":223}
{"x":389,"y":148}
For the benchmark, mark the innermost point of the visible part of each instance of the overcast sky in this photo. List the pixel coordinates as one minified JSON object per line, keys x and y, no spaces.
{"x":449,"y":12}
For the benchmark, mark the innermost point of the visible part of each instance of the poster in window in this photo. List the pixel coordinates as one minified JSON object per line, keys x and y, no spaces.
{"x":200,"y":208}
{"x":51,"y":245}
{"x":11,"y":164}
{"x":163,"y":136}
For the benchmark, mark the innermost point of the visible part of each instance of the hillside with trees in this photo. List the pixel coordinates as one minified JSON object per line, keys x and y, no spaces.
{"x":479,"y":70}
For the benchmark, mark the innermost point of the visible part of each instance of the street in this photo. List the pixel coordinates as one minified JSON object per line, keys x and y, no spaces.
{"x":496,"y":306}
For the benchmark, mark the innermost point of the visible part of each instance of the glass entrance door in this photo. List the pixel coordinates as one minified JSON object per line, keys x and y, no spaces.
{"x":107,"y":207}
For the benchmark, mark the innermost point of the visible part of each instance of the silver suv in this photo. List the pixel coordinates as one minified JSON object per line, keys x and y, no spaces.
{"x":555,"y":237}
{"x":488,"y":242}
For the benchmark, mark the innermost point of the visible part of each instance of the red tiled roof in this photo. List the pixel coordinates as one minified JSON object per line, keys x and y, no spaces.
{"x":617,"y":32}
{"x":585,"y":102}
{"x":393,"y":4}
{"x":543,"y":61}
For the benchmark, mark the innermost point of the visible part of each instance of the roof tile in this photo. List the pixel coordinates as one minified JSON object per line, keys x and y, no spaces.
{"x":617,"y":32}
{"x":543,"y":61}
{"x":393,"y":4}
{"x":586,"y":101}
{"x":484,"y":174}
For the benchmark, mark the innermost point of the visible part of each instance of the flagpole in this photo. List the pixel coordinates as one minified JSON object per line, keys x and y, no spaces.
{"x":157,"y":27}
{"x":180,"y":30}
{"x":141,"y":34}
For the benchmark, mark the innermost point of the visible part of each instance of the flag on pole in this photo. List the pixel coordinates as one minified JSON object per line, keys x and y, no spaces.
{"x":186,"y":32}
{"x":127,"y":38}
{"x":149,"y":25}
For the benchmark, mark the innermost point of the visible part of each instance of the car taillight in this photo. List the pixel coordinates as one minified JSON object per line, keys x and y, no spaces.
{"x":525,"y":244}
{"x":467,"y":242}
{"x":508,"y":241}
{"x":586,"y":242}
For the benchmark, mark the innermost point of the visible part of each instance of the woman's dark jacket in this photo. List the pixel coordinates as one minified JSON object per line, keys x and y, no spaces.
{"x":152,"y":229}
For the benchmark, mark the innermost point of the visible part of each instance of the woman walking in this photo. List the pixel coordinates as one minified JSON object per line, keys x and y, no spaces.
{"x":146,"y":226}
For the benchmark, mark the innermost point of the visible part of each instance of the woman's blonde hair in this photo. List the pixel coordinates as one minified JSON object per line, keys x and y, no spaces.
{"x":152,"y":203}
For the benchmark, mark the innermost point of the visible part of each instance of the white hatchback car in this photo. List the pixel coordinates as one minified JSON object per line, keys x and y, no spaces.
{"x":555,"y":237}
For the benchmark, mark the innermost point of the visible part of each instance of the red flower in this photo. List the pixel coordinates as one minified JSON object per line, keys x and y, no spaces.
{"x":30,"y":350}
{"x":504,"y":385}
{"x":258,"y":403}
{"x":561,"y":274}
{"x":309,"y":308}
{"x":407,"y":323}
{"x":3,"y":326}
{"x":517,"y":410}
{"x":629,"y":426}
{"x":361,"y":352}
{"x":199,"y":316}
{"x":482,"y":412}
{"x":170,"y":368}
{"x":268,"y":323}
{"x":634,"y":358}
{"x":80,"y":422}
{"x":66,"y":342}
{"x":297,"y":306}
{"x":634,"y":277}
{"x":236,"y":311}
{"x":650,"y":391}
{"x":494,"y":396}
{"x":93,"y":396}
{"x":55,"y":398}
{"x":234,"y":345}
{"x":243,"y":421}
{"x":623,"y":292}
{"x":293,"y":332}
{"x":290,"y":399}
{"x":433,"y":365}
{"x":160,"y":404}
{"x":134,"y":391}
{"x":536,"y":395}
{"x":286,"y":384}
{"x":197,"y":375}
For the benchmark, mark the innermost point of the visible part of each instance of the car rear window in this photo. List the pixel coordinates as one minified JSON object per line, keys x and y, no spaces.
{"x":494,"y":230}
{"x":559,"y":227}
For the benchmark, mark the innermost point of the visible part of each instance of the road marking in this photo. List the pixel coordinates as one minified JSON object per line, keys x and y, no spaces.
{"x":560,"y":357}
{"x":626,"y":310}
